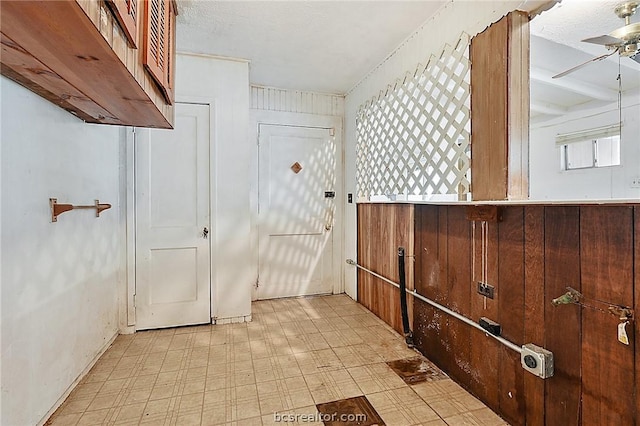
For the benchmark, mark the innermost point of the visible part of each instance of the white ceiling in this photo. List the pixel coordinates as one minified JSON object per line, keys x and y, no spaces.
{"x":323,"y":46}
{"x":328,"y":46}
{"x":556,"y":46}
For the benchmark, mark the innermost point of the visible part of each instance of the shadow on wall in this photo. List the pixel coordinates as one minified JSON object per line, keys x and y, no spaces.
{"x":295,"y":216}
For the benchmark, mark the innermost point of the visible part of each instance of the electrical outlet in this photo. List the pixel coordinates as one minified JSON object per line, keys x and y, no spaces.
{"x":537,"y":360}
{"x":485,"y":289}
{"x":635,"y":182}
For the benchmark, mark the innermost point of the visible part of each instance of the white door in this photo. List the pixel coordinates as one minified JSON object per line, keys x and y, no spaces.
{"x":172,"y":222}
{"x":296,"y":207}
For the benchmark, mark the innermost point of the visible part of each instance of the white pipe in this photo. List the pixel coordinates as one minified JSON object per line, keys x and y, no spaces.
{"x":352,"y":262}
{"x":444,"y":309}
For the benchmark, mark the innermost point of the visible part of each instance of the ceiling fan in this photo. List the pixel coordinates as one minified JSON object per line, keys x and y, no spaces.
{"x":624,"y":40}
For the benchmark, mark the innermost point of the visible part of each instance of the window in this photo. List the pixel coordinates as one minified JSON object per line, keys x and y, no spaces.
{"x":590,"y":148}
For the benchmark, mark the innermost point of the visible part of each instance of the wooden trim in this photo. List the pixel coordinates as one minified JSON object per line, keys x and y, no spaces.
{"x":518,"y":109}
{"x":170,"y":78}
{"x":636,"y":307}
{"x":484,"y":213}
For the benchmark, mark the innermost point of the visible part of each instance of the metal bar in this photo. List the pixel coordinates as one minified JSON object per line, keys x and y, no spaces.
{"x":352,"y":262}
{"x":444,"y":309}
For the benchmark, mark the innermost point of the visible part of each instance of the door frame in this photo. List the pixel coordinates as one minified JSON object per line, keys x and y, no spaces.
{"x":292,"y":119}
{"x":129,"y":306}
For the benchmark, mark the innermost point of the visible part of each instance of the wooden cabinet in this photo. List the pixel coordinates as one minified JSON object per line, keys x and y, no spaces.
{"x":90,"y":57}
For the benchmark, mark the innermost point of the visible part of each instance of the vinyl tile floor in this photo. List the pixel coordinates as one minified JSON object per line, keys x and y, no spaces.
{"x":295,"y":354}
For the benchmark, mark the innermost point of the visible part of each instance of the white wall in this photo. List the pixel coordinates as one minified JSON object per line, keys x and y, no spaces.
{"x":445,"y":27}
{"x":224,"y":84}
{"x":60,"y":280}
{"x":548,"y":182}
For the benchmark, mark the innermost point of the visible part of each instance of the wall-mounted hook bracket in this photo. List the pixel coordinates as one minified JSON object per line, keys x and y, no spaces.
{"x":58,"y":209}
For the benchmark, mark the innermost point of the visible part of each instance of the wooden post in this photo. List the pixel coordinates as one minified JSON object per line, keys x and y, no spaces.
{"x":500,"y":110}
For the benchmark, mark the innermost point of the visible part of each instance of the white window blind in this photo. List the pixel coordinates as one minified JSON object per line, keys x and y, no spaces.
{"x":590,"y":134}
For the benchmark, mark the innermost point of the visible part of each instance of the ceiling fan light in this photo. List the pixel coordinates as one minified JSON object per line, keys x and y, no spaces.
{"x":628,"y":33}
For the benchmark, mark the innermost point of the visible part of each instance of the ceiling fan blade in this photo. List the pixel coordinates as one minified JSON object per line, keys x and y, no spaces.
{"x":636,"y":57}
{"x":577,"y":67}
{"x":605,"y":40}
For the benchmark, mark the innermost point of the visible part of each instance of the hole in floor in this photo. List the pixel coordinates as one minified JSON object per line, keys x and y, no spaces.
{"x":416,"y":370}
{"x":350,"y":411}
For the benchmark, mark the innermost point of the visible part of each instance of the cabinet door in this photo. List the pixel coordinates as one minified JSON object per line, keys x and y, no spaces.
{"x":159,"y":43}
{"x":126,"y":12}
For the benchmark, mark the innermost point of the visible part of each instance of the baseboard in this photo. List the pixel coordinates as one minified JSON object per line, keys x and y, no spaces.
{"x":130,"y":329}
{"x":231,"y":320}
{"x":73,"y":385}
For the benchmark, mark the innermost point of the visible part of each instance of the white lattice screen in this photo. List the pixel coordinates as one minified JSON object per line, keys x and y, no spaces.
{"x":413,"y":139}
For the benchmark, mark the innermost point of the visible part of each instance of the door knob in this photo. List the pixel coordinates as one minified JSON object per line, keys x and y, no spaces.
{"x":205,"y":233}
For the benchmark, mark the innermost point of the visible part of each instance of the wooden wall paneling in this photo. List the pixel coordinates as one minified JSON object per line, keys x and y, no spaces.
{"x":636,"y":307}
{"x":379,"y":261}
{"x":360,"y":252}
{"x":106,"y":24}
{"x":562,"y":323}
{"x":534,"y":305}
{"x":511,"y":312}
{"x":364,"y":255}
{"x":405,"y":229}
{"x":500,"y":110}
{"x":459,"y":290}
{"x":367,"y":295}
{"x":274,"y":99}
{"x":427,"y":321}
{"x":382,"y":228}
{"x":485,"y":350}
{"x":385,"y":259}
{"x":442,"y":291}
{"x":606,"y":254}
{"x":489,"y":112}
